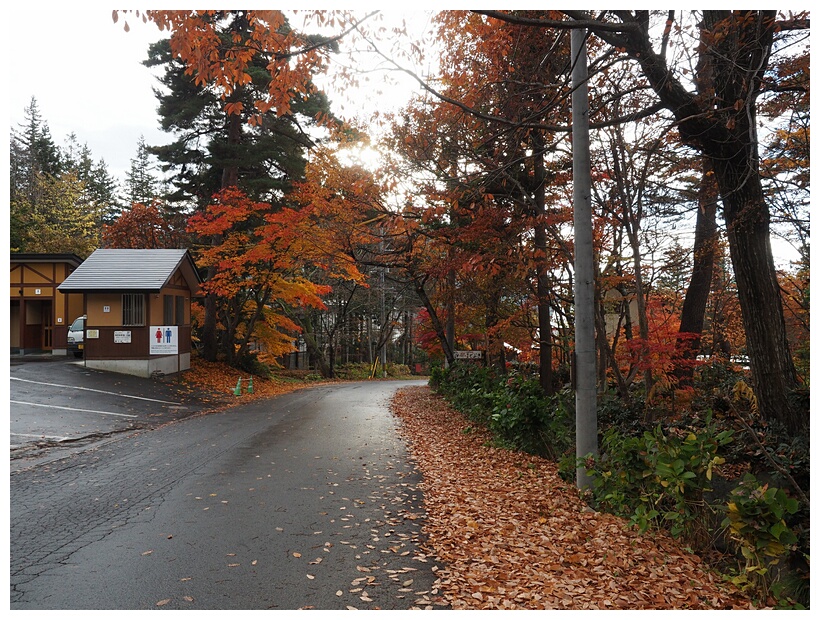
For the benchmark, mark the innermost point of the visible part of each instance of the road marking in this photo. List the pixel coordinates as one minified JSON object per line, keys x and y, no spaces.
{"x":54,"y":437}
{"x":74,"y":387}
{"x":120,"y":415}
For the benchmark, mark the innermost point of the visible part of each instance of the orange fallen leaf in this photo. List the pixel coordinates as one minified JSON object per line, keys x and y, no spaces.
{"x":479,"y":516}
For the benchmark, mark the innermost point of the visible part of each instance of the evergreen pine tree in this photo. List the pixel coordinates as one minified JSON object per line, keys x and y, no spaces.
{"x":141,"y":186}
{"x":211,"y":147}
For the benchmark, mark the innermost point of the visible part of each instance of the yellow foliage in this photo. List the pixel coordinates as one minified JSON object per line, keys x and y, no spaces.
{"x":742,"y":393}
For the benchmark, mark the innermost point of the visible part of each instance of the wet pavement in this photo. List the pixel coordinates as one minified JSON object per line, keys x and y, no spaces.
{"x":57,"y":402}
{"x":308,"y":500}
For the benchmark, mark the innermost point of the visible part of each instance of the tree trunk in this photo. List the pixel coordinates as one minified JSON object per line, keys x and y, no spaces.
{"x":209,"y":340}
{"x":697,"y":293}
{"x":542,"y":269}
{"x":331,"y":370}
{"x":314,"y":349}
{"x":496,"y":356}
{"x":747,"y":229}
{"x":450,"y":310}
{"x":737,"y":62}
{"x":418,"y":285}
{"x":230,"y":177}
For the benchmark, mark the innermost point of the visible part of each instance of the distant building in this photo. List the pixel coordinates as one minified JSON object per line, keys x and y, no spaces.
{"x":40,"y":314}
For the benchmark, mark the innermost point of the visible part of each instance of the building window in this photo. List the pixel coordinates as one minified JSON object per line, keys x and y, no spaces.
{"x":168,"y":309}
{"x":180,"y":310}
{"x":133,"y":309}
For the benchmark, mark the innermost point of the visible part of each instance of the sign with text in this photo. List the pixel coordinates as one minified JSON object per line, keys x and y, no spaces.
{"x":122,"y":337}
{"x":469,"y":355}
{"x":164,"y":339}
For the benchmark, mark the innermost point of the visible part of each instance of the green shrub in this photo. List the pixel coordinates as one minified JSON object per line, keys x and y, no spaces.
{"x":353,"y":371}
{"x":360,"y":371}
{"x":659,"y":479}
{"x":398,"y":370}
{"x":469,"y":388}
{"x":625,"y":414}
{"x":512,"y":407}
{"x":528,"y":420}
{"x":756,"y":522}
{"x":437,"y":375}
{"x":250,"y":363}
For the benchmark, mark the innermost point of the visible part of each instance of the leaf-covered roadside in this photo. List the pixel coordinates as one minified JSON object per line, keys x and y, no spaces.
{"x":220,"y":380}
{"x":511,"y":534}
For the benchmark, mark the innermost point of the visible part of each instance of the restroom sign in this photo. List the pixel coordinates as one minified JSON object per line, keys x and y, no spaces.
{"x":164,"y":339}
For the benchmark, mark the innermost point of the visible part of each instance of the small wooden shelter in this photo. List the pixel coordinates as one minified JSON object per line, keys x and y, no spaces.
{"x":138,"y":309}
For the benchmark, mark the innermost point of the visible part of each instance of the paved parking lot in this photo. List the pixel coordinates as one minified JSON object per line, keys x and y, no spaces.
{"x":58,"y":402}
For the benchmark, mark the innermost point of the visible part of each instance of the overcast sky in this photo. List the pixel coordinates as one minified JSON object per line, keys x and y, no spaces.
{"x":86,"y":74}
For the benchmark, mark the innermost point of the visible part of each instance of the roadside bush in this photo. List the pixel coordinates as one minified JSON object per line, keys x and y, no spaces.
{"x":359,"y":371}
{"x":354,"y":371}
{"x":512,"y":407}
{"x":757,"y":518}
{"x":714,"y":383}
{"x":528,"y":420}
{"x":626,"y":415}
{"x":469,"y":389}
{"x":658,"y":479}
{"x":679,"y":475}
{"x":437,"y":375}
{"x":250,"y":363}
{"x":398,"y":370}
{"x":756,"y":522}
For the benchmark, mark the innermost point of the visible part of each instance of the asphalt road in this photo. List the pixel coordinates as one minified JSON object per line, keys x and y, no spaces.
{"x":57,"y":401}
{"x":307,"y":500}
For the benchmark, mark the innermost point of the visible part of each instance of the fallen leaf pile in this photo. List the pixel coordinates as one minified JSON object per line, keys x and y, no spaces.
{"x":221,"y":379}
{"x":511,"y":534}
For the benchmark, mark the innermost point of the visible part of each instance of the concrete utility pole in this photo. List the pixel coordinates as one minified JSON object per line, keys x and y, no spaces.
{"x":586,"y":417}
{"x":383,"y":318}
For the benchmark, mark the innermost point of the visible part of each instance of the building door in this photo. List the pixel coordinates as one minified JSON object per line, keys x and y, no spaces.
{"x":37,"y":322}
{"x":14,"y":322}
{"x":48,"y":325}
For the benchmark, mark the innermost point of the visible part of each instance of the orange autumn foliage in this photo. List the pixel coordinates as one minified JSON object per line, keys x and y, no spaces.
{"x":143,"y":226}
{"x":257,"y":267}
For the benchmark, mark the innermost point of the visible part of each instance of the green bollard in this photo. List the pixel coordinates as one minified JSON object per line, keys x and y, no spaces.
{"x":250,"y":385}
{"x":238,"y":390}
